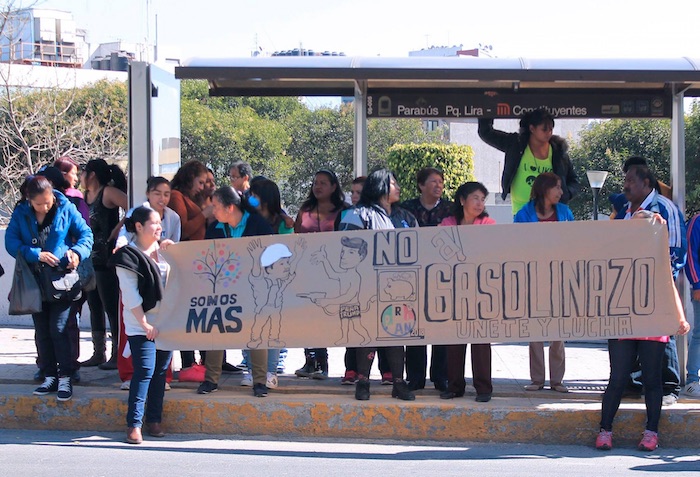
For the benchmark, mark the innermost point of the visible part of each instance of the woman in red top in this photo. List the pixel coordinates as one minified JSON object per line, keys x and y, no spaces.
{"x":187,"y":185}
{"x":318,"y":214}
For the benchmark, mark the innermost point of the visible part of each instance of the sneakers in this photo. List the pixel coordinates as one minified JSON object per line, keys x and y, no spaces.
{"x":692,"y":389}
{"x":534,"y":387}
{"x":65,"y":389}
{"x":362,"y":390}
{"x":401,"y":391}
{"x":387,"y":379}
{"x":50,"y":385}
{"x":350,"y":378}
{"x":231,"y":369}
{"x":167,"y":387}
{"x":206,"y":387}
{"x":247,"y":380}
{"x":126,"y":385}
{"x":669,"y":400}
{"x":649,"y":442}
{"x":272,"y":382}
{"x":260,"y":390}
{"x":604,"y":440}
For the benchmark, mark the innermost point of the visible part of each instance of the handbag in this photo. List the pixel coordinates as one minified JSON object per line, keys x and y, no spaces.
{"x":25,"y":294}
{"x":59,"y":284}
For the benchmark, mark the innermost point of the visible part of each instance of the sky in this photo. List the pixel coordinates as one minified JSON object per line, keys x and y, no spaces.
{"x":389,"y":28}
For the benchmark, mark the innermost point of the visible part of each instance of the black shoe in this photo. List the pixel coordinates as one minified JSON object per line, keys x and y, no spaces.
{"x":39,"y":376}
{"x":108,"y":365}
{"x":362,"y":390}
{"x":450,"y":395}
{"x":50,"y":385}
{"x":259,"y":390}
{"x":415,"y":386}
{"x":401,"y":391}
{"x":65,"y":389}
{"x":207,"y":387}
{"x":231,"y":369}
{"x":94,"y":360}
{"x":441,"y":385}
{"x":483,"y":397}
{"x":76,"y":377}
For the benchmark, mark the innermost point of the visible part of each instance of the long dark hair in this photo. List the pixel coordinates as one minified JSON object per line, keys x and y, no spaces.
{"x":154,"y":181}
{"x":542,"y":184}
{"x":140,"y":215}
{"x":376,"y":186}
{"x":534,"y":118}
{"x":464,"y":191}
{"x":269,"y":195}
{"x":337,"y":197}
{"x":107,"y":174}
{"x":34,"y":186}
{"x":185,"y":176}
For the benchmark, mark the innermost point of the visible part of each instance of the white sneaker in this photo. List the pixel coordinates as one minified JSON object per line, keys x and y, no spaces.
{"x":271,"y":381}
{"x":247,"y":380}
{"x":692,"y":389}
{"x":167,"y":387}
{"x":126,"y":385}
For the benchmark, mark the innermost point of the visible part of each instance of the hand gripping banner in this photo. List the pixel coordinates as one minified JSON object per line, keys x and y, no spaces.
{"x":437,"y":285}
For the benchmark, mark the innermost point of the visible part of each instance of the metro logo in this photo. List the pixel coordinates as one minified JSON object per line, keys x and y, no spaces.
{"x":503,"y":109}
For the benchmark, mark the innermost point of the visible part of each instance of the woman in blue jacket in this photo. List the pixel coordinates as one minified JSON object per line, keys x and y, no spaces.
{"x":47,"y":229}
{"x":544,"y":206}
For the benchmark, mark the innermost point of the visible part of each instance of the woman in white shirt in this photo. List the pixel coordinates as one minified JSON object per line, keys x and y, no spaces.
{"x":142,"y":274}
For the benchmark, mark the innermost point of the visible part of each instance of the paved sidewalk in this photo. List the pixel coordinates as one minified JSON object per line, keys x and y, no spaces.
{"x":304,"y":407}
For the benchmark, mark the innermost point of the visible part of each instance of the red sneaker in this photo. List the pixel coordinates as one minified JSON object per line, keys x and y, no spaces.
{"x":649,"y":442}
{"x":387,"y":378}
{"x":349,"y":378}
{"x":604,"y":440}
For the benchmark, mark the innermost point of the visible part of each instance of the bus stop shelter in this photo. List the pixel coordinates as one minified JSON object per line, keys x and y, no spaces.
{"x":469,"y":87}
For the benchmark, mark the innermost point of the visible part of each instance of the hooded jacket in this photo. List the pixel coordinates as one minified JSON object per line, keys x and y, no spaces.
{"x":69,"y":231}
{"x":514,"y":144}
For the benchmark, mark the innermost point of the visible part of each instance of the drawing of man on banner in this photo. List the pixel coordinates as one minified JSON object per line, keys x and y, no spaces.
{"x":347,"y":304}
{"x":274,"y":268}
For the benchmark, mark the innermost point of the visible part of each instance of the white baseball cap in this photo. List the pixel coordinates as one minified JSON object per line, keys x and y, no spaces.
{"x":274,"y":252}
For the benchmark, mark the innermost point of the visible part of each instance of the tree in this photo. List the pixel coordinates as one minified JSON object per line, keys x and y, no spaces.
{"x":605,"y":146}
{"x":692,"y":160}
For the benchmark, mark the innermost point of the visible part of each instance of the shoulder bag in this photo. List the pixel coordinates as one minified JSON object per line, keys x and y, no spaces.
{"x":25,"y":294}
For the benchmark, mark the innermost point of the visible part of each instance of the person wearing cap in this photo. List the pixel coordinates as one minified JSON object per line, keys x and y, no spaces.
{"x":234,"y":218}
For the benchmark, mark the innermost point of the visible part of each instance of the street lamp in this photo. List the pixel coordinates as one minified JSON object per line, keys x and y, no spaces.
{"x":596,"y":179}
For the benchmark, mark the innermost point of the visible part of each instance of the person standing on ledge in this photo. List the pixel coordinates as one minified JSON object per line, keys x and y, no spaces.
{"x":529,"y":153}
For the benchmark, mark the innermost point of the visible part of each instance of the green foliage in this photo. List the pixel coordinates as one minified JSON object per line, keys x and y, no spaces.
{"x":605,"y":146}
{"x":455,"y":161}
{"x":692,"y":160}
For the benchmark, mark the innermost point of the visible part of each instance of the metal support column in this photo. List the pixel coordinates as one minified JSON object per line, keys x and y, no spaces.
{"x":678,"y":183}
{"x":360,"y":133}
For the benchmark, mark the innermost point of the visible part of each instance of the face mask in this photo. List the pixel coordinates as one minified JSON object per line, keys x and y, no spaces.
{"x":253,"y":201}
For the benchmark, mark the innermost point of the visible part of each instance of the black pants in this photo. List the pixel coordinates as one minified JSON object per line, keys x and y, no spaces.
{"x":105,"y":299}
{"x":481,"y":368}
{"x":351,"y":360}
{"x":417,"y":362}
{"x":394,"y":355}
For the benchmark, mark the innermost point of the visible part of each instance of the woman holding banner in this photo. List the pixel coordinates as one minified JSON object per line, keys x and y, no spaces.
{"x":373,"y":212}
{"x":469,"y":208}
{"x":142,"y":274}
{"x":544,"y":206}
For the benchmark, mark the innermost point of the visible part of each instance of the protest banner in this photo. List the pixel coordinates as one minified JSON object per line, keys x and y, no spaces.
{"x":437,"y":285}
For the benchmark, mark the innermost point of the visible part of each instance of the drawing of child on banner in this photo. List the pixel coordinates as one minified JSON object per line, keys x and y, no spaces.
{"x":274,"y":267}
{"x":347,"y":304}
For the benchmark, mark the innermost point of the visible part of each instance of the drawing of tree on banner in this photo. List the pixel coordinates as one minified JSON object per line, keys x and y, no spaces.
{"x":218,"y":265}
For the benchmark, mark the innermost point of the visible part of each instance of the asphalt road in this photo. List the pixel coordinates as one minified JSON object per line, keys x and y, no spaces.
{"x":39,"y":453}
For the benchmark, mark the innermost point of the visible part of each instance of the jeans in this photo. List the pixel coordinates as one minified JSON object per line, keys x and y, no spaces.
{"x":148,"y":381}
{"x":273,"y":358}
{"x":693,"y":365}
{"x":53,"y":340}
{"x":623,"y":354}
